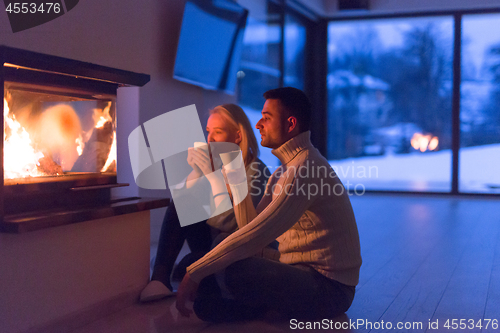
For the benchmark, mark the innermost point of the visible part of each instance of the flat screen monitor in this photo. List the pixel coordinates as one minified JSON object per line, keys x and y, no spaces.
{"x":210,"y":44}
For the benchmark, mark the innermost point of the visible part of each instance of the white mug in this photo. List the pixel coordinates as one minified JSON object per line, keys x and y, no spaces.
{"x":201,"y":145}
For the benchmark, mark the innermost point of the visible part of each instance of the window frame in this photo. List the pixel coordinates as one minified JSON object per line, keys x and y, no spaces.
{"x":455,"y":107}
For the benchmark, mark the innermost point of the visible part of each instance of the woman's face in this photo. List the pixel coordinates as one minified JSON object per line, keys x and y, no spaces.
{"x":220,"y":131}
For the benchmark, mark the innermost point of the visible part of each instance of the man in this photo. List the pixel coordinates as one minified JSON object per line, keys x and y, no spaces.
{"x":306,"y":208}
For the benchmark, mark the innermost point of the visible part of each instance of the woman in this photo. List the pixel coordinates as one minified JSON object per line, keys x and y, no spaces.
{"x":227,"y":123}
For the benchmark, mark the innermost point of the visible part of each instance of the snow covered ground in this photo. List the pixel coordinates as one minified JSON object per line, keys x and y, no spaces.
{"x":479,"y":171}
{"x":431,"y":171}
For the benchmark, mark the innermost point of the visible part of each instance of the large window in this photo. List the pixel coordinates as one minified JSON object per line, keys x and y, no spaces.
{"x":394,"y":90}
{"x":389,"y":103}
{"x":480,"y":104}
{"x":411,"y":103}
{"x":272,"y":56}
{"x":260,"y":67}
{"x":295,"y":42}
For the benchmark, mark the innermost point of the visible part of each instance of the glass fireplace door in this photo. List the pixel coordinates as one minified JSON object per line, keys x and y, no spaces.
{"x":51,"y":132}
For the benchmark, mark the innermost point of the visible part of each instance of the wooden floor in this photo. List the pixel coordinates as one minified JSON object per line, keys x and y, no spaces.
{"x":425,"y":259}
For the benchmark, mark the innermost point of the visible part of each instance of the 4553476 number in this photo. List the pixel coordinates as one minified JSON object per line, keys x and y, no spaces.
{"x":32,"y":8}
{"x":462,"y":324}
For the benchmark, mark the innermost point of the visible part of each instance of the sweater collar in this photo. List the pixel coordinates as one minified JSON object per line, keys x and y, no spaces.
{"x":287,"y":151}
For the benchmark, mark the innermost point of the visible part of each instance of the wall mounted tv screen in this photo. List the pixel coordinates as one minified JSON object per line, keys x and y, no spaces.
{"x":210,"y":44}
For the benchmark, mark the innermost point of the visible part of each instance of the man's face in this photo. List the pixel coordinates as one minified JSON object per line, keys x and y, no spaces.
{"x":272,"y":124}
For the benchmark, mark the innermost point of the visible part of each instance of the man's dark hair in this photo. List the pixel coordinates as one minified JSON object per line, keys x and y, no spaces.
{"x":295,"y":102}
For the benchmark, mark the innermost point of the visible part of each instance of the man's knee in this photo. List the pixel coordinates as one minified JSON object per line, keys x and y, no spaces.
{"x":208,"y":287}
{"x":202,"y":308}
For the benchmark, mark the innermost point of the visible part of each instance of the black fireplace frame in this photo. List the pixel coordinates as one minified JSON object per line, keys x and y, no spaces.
{"x":21,"y":66}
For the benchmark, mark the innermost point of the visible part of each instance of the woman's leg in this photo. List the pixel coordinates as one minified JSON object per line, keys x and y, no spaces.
{"x":169,"y":245}
{"x":199,"y":239}
{"x":172,"y":237}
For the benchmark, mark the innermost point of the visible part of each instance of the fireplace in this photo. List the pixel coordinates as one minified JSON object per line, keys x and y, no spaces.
{"x":59,"y":147}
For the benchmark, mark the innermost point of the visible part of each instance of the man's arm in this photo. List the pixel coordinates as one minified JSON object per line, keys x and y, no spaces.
{"x":279,"y":216}
{"x":244,"y":212}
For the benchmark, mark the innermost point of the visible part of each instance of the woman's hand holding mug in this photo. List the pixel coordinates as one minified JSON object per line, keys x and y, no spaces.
{"x":199,"y":157}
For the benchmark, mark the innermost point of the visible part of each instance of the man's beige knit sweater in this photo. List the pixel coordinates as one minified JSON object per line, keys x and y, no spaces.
{"x":306,"y":208}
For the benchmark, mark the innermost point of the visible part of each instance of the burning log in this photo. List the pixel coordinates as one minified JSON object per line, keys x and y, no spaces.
{"x":49,"y":167}
{"x":96,"y":150}
{"x":110,"y":168}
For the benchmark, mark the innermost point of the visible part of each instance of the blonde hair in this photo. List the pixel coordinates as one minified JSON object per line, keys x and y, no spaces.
{"x":238,"y":120}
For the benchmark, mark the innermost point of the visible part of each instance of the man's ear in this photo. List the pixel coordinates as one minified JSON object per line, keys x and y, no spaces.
{"x":291,"y":123}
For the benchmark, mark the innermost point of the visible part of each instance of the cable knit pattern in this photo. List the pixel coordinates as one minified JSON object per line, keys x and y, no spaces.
{"x":306,"y":208}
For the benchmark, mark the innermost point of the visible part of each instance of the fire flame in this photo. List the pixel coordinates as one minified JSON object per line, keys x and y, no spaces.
{"x":111,"y":156}
{"x":103,"y":115}
{"x":102,"y":118}
{"x":101,"y":122}
{"x":20,"y":158}
{"x":80,"y":145}
{"x":424,"y":142}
